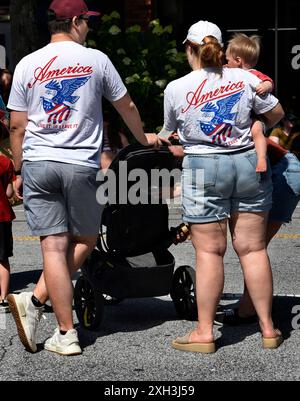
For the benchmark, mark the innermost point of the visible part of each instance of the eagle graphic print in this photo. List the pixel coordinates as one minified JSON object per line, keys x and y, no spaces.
{"x":213,"y":114}
{"x":58,"y":108}
{"x":61,"y":87}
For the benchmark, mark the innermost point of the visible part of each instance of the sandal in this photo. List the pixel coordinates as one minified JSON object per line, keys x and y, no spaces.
{"x":183,"y":344}
{"x":272,"y":342}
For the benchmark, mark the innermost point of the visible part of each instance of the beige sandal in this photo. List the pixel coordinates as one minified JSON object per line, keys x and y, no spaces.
{"x":183,"y":344}
{"x":272,"y":342}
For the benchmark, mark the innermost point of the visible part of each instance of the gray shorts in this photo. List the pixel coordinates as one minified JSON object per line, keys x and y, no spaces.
{"x":60,"y":197}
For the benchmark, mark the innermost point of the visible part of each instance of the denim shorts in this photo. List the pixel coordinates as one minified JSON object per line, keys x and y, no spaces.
{"x":286,"y":192}
{"x":215,"y":185}
{"x":60,"y":197}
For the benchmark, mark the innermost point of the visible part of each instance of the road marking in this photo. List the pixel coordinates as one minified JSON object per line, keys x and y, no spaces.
{"x":26,"y":238}
{"x":287,"y":236}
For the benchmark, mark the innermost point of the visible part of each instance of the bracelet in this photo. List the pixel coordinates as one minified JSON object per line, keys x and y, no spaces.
{"x":17,"y":172}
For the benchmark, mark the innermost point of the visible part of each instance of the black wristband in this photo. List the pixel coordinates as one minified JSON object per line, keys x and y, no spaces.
{"x":17,"y":172}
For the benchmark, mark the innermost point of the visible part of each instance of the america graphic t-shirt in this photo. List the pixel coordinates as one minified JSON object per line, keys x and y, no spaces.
{"x":61,"y":87}
{"x":212,"y":112}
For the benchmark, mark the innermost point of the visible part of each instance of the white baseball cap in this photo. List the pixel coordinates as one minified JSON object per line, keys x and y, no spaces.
{"x":201,"y":29}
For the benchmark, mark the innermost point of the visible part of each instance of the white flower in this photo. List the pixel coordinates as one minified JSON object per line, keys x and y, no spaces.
{"x":121,"y":51}
{"x":161,"y":83}
{"x":114,"y":30}
{"x":126,"y":61}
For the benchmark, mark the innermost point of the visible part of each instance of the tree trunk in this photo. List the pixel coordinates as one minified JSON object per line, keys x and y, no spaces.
{"x":24,"y":28}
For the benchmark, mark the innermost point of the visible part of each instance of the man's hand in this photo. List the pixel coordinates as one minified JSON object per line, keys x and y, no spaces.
{"x":156,"y":141}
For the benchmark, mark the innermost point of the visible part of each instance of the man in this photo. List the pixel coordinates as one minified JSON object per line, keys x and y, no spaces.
{"x":56,"y":118}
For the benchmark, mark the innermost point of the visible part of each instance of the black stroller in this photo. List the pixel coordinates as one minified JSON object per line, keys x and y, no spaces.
{"x":131,"y":259}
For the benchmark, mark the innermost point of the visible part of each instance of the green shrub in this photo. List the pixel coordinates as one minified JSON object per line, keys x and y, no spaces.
{"x":146,"y":61}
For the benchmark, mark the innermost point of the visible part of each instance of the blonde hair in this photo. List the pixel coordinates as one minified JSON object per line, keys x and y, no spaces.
{"x":210,"y":53}
{"x":245,"y":47}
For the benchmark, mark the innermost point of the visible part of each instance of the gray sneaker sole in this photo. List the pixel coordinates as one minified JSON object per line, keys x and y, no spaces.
{"x":13,"y":306}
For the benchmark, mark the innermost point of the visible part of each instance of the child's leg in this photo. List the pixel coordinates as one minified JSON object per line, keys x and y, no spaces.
{"x":4,"y":279}
{"x":260,"y":146}
{"x":6,"y":251}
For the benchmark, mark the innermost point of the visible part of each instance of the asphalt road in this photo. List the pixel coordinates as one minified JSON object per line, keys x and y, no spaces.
{"x":133,"y":343}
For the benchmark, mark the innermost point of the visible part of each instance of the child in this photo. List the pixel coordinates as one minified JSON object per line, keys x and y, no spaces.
{"x":243,"y":52}
{"x":6,"y":217}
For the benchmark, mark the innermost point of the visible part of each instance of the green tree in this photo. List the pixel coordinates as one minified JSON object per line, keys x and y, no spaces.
{"x":24,"y":27}
{"x":146,"y":61}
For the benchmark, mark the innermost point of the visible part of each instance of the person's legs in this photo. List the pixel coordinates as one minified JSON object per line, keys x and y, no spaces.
{"x":57,"y":277}
{"x":248,"y":232}
{"x":4,"y":279}
{"x":209,"y":241}
{"x":246,"y":308}
{"x":59,"y":261}
{"x":285,"y":197}
{"x":79,"y":249}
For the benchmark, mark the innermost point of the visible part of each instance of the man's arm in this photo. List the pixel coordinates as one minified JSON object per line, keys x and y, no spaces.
{"x":131,"y":116}
{"x":18,"y":124}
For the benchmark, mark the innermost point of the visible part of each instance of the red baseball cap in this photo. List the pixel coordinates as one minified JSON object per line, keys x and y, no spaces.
{"x":65,"y":9}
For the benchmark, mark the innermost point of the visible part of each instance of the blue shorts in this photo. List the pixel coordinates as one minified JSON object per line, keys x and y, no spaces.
{"x":215,"y":185}
{"x":60,"y":197}
{"x":286,"y":192}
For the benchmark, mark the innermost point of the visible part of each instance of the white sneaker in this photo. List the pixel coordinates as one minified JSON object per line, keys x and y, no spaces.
{"x":26,"y":316}
{"x":66,"y":344}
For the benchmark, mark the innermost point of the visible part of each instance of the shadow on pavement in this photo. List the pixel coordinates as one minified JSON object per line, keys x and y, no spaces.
{"x":21,"y":281}
{"x":128,"y":316}
{"x":282,"y":315}
{"x":144,"y":313}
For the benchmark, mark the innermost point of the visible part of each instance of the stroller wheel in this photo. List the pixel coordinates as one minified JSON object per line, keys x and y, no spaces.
{"x":183,"y":292}
{"x":89,"y":304}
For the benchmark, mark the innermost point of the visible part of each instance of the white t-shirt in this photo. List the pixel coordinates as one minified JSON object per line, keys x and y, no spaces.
{"x":61,"y":88}
{"x":212,"y":112}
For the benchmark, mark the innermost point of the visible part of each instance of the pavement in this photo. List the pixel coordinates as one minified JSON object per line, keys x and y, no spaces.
{"x":133,"y":343}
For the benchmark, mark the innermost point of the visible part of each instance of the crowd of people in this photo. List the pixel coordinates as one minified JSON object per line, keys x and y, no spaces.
{"x":220,"y":113}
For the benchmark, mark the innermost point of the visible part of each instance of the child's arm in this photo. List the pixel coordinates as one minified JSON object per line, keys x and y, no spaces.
{"x":260,"y":146}
{"x":9,"y":190}
{"x":264,"y":87}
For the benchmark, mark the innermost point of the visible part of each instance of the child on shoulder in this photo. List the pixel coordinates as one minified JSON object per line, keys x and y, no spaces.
{"x":243,"y":52}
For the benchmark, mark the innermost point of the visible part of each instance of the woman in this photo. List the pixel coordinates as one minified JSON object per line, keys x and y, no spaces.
{"x":210,"y":109}
{"x":286,"y":197}
{"x":285,"y":134}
